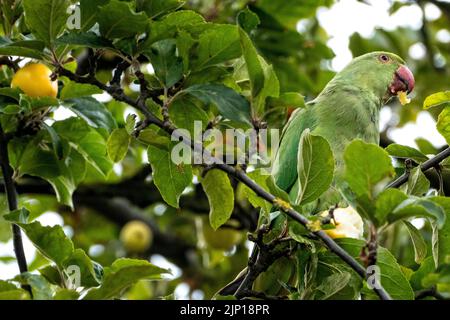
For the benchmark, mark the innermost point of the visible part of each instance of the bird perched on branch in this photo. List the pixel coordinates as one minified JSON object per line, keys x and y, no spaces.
{"x":347,"y":109}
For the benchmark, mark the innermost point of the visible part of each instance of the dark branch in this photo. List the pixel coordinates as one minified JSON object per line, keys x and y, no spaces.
{"x":431,"y":292}
{"x":431,"y":163}
{"x":11,"y":195}
{"x":9,"y":63}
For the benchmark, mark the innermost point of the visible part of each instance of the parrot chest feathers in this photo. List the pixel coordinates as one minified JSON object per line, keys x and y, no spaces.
{"x":347,"y":114}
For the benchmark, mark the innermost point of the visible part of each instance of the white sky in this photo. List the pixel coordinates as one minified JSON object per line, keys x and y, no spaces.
{"x":340,"y":21}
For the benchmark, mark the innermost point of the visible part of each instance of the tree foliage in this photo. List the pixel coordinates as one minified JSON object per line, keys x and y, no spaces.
{"x":227,"y":64}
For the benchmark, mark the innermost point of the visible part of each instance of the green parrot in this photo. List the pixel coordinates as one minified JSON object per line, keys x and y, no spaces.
{"x":347,"y":109}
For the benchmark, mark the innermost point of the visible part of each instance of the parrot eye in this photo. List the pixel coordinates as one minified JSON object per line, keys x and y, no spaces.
{"x":384,"y":58}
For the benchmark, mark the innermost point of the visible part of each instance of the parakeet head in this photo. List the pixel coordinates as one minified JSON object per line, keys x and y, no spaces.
{"x":383,"y":73}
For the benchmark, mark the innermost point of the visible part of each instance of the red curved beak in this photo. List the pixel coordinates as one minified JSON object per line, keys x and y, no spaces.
{"x":403,"y":80}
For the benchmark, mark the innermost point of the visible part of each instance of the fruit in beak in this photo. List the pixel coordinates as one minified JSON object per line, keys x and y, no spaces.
{"x":403,"y":80}
{"x":402,"y":84}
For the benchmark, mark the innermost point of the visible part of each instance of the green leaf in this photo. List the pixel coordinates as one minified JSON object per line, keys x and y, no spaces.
{"x":29,"y":157}
{"x":167,"y":64}
{"x":118,"y":143}
{"x":386,"y":202}
{"x":315,"y":167}
{"x":425,"y":146}
{"x":84,"y":39}
{"x":156,"y":8}
{"x":276,"y":190}
{"x":230,"y":104}
{"x":418,"y":184}
{"x":73,"y":89}
{"x":183,"y":112}
{"x":392,"y":277}
{"x":366,"y":165}
{"x":7,"y":259}
{"x":89,"y":10}
{"x":37,"y":45}
{"x":39,"y":286}
{"x":248,"y":20}
{"x":90,"y":271}
{"x":332,"y":284}
{"x":435,"y":245}
{"x":16,"y":294}
{"x":420,"y":247}
{"x":93,"y":112}
{"x":171,"y":179}
{"x":171,"y":24}
{"x":443,"y":123}
{"x":287,"y":100}
{"x":46,"y":18}
{"x":6,"y":286}
{"x":417,"y":276}
{"x":9,"y":291}
{"x":260,"y":176}
{"x":87,"y":141}
{"x":271,"y":87}
{"x":56,"y":141}
{"x":33,"y":103}
{"x":21,"y":48}
{"x":20,"y":215}
{"x":252,"y":62}
{"x":50,"y":241}
{"x":216,"y":45}
{"x":72,"y":173}
{"x":117,"y":20}
{"x":13,"y":93}
{"x":444,"y":233}
{"x":405,"y":152}
{"x":185,"y":42}
{"x":220,"y":196}
{"x":295,"y":11}
{"x":130,"y":123}
{"x":123,"y":273}
{"x":52,"y":274}
{"x":36,"y":161}
{"x":418,"y":207}
{"x":66,"y":294}
{"x":150,"y":137}
{"x":436,"y":99}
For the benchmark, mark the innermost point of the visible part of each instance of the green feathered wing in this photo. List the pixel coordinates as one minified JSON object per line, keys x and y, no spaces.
{"x":357,"y":118}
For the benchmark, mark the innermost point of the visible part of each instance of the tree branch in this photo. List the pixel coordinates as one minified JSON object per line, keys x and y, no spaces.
{"x":262,"y":258}
{"x":11,"y":194}
{"x":431,"y":163}
{"x":431,"y":292}
{"x":9,"y":63}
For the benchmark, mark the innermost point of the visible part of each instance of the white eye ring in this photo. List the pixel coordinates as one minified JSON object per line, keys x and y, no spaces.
{"x":383,"y":58}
